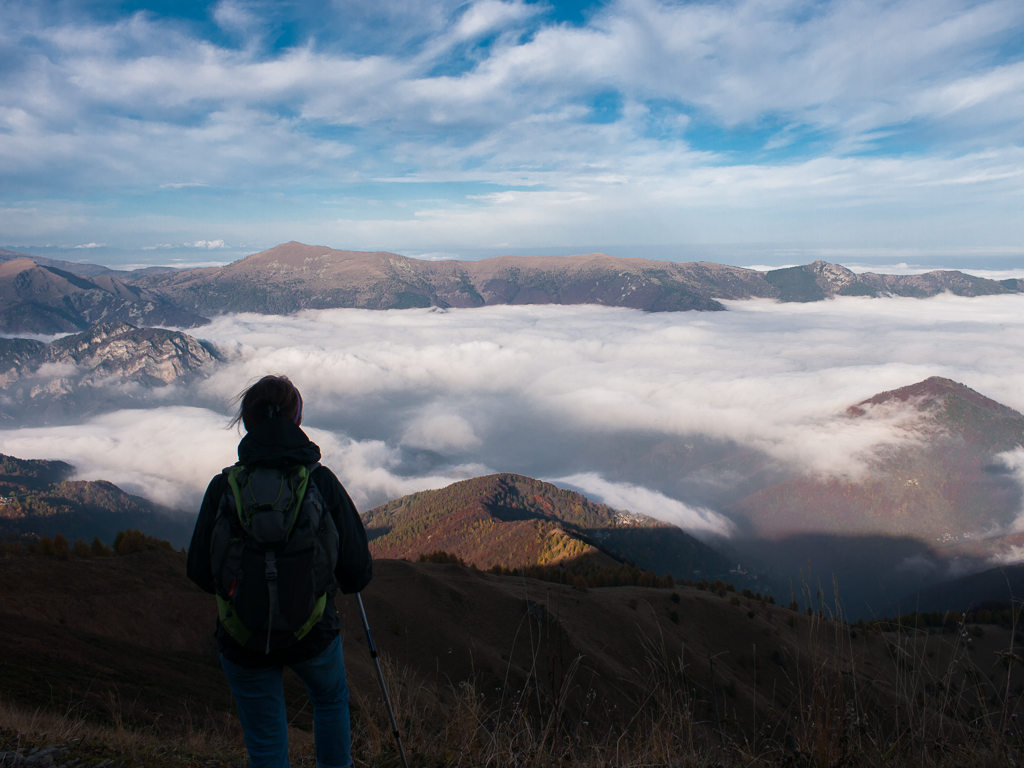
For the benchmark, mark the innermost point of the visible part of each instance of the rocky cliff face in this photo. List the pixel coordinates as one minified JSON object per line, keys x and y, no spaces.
{"x":151,"y":356}
{"x":80,"y":373}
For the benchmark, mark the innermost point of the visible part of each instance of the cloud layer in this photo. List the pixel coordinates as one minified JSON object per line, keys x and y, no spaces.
{"x":660,"y":413}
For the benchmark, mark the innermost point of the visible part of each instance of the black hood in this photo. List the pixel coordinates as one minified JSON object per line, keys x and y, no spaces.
{"x":277,"y":442}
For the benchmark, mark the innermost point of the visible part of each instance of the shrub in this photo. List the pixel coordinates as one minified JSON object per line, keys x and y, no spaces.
{"x":46,"y":546}
{"x":442,"y":557}
{"x":81,"y":549}
{"x":130,"y":541}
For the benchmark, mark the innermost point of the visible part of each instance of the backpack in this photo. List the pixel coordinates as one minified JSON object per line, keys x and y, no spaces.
{"x":273,"y":551}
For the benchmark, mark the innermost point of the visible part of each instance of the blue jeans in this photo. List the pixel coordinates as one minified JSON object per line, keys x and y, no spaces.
{"x":259,"y":696}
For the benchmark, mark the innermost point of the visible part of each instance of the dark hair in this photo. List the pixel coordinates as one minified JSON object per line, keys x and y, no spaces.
{"x":270,"y":396}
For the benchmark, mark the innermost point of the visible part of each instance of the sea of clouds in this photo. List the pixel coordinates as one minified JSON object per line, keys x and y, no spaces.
{"x":657,"y":413}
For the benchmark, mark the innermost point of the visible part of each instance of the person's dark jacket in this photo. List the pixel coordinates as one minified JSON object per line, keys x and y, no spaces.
{"x":277,"y":442}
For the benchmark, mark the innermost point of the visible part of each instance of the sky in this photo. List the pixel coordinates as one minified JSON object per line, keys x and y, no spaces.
{"x":742,"y":131}
{"x":658,"y":413}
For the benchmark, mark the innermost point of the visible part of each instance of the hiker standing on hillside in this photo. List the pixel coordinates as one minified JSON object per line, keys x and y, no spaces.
{"x":277,"y":534}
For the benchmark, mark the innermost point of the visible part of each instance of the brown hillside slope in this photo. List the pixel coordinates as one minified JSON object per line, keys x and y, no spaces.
{"x":939,"y":488}
{"x":38,"y":299}
{"x":513,"y":521}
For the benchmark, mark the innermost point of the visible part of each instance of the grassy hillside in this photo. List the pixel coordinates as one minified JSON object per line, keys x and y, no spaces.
{"x":502,"y":671}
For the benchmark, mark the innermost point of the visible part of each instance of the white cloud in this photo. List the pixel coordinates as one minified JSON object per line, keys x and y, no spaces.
{"x":440,"y":431}
{"x":652,"y":410}
{"x":208,"y":244}
{"x":1011,"y":555}
{"x":1014,"y":462}
{"x":169,"y":455}
{"x":91,"y":245}
{"x":367,"y":469}
{"x":182,"y":185}
{"x":635,"y":498}
{"x":522,"y":380}
{"x":165,"y":454}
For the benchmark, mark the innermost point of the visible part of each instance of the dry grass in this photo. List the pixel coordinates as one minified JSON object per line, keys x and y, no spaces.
{"x":934,"y":705}
{"x":923,"y":719}
{"x":844,"y":697}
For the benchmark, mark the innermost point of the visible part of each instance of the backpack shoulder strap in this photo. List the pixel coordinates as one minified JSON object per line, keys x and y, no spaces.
{"x":232,"y":478}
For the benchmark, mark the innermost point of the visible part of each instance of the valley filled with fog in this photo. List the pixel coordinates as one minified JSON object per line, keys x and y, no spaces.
{"x":655,"y":412}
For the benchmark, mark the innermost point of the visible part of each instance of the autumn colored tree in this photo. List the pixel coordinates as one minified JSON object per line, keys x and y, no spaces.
{"x":61,"y":548}
{"x":129,"y":541}
{"x":81,"y":549}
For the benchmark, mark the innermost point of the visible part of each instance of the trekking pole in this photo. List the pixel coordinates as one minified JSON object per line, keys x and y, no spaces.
{"x":380,"y":679}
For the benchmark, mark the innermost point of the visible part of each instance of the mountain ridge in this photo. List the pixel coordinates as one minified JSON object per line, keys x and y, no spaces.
{"x":47,"y":300}
{"x":294,"y":276}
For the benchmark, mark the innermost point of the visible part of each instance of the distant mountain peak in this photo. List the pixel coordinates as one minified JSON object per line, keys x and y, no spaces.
{"x":942,"y":483}
{"x":925,"y":394}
